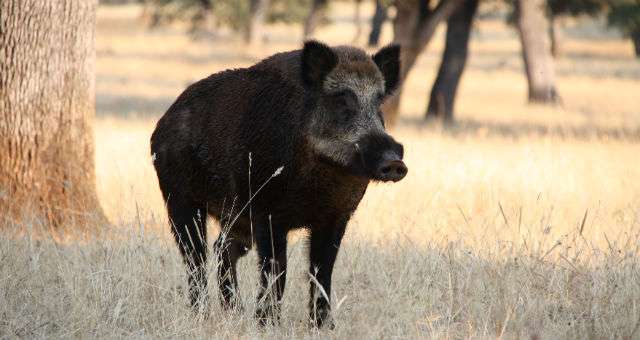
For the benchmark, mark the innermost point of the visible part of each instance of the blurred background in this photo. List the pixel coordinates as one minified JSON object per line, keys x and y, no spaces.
{"x":499,"y":72}
{"x":545,"y":52}
{"x":538,"y":72}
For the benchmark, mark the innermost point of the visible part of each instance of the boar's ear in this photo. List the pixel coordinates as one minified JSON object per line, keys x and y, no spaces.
{"x":388,"y":61}
{"x":317,"y":61}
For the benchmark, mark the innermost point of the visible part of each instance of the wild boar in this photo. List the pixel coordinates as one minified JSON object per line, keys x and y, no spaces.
{"x":290,"y":142}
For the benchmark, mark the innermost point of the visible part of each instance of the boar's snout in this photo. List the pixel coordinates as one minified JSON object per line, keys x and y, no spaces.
{"x":391,"y":168}
{"x":382,"y":157}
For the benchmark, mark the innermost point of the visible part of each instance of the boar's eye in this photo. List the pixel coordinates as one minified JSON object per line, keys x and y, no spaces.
{"x":345,"y":100}
{"x":379,"y":98}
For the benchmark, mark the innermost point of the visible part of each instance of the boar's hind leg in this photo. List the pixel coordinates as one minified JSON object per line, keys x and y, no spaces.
{"x":323,"y":250}
{"x":229,"y":249}
{"x":189,"y":228}
{"x":271,"y":243}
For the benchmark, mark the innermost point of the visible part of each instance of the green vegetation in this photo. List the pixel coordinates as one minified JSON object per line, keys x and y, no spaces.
{"x":625,"y":15}
{"x":576,"y":7}
{"x":230,"y":13}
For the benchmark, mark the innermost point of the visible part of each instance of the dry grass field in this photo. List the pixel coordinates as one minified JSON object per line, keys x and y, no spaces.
{"x":521,"y":222}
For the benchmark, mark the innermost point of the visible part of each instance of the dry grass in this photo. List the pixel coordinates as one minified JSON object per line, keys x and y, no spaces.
{"x":521,"y":222}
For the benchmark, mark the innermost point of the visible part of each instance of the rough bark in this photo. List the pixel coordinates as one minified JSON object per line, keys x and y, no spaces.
{"x":533,"y":27}
{"x":315,"y":16}
{"x":47,"y":104}
{"x":257,"y":14}
{"x":454,"y":59}
{"x":378,"y":19}
{"x":413,"y":27}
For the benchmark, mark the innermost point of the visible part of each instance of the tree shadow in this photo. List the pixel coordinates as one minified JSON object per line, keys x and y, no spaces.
{"x":594,"y":66}
{"x":127,"y":106}
{"x":591,"y":56}
{"x":224,"y":56}
{"x":517,"y":130}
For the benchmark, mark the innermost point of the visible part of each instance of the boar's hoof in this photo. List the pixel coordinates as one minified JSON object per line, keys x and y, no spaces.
{"x":321,"y":318}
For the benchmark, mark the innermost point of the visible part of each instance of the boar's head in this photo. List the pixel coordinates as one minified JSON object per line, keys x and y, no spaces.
{"x":346,"y":126}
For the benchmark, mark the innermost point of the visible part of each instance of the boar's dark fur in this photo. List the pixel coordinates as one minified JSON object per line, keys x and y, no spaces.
{"x":304,"y":126}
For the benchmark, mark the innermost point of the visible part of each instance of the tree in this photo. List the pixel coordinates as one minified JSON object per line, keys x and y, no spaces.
{"x":357,"y":20}
{"x":377,"y":20}
{"x":625,"y":15}
{"x":555,"y":35}
{"x":47,"y":104}
{"x":413,"y":27}
{"x":454,"y":58}
{"x":159,"y":12}
{"x":245,"y":16}
{"x":257,"y":13}
{"x":314,"y":17}
{"x":533,"y":28}
{"x":202,"y":19}
{"x":557,"y":9}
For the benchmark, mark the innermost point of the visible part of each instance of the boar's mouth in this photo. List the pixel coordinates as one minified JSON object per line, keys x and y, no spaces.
{"x":375,"y":157}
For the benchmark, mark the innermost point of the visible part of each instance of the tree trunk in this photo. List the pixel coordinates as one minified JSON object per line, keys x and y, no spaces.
{"x":555,"y":34}
{"x":151,"y":14}
{"x":202,"y":20}
{"x":378,"y":19}
{"x":635,"y":37}
{"x":413,"y":27}
{"x":454,"y":58}
{"x":47,"y":105}
{"x":357,"y":19}
{"x":533,"y":28}
{"x":257,"y":14}
{"x":314,"y":17}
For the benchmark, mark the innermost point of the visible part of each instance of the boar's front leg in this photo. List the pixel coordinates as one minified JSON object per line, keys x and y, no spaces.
{"x":323,"y":250}
{"x":271,"y":243}
{"x":230,"y":250}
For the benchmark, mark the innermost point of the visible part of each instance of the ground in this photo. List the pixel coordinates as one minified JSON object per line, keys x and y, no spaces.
{"x":520,"y":222}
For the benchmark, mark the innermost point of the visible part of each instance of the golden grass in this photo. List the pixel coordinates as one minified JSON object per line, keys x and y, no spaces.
{"x":520,"y":222}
